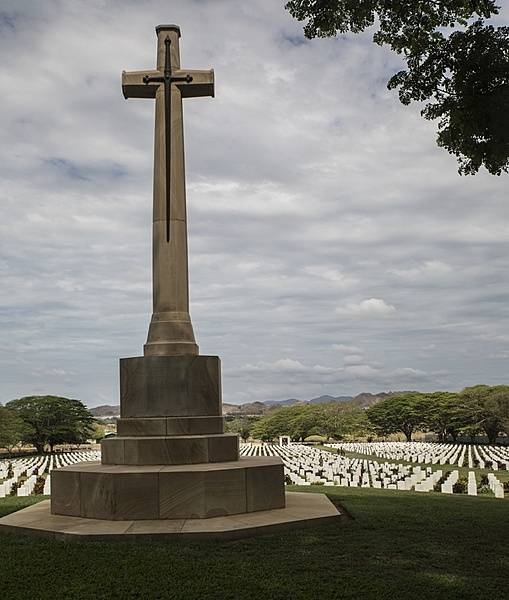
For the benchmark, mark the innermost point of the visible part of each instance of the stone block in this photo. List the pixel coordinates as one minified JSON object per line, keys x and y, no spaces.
{"x":225,"y":492}
{"x":65,"y":494}
{"x":194,"y":425}
{"x":166,"y":451}
{"x":181,"y":494}
{"x":170,"y":386}
{"x":169,"y":426}
{"x":112,"y":451}
{"x":97,"y":495}
{"x":265,"y":488}
{"x":223,"y":448}
{"x":136,"y":496}
{"x":171,"y":450}
{"x":143,"y":427}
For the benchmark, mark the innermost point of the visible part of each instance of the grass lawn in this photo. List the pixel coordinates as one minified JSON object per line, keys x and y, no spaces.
{"x":396,"y":545}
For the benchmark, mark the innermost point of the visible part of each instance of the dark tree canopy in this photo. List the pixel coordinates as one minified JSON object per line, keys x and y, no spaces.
{"x":12,"y":429}
{"x":53,"y":420}
{"x":454,"y":60}
{"x":405,"y":413}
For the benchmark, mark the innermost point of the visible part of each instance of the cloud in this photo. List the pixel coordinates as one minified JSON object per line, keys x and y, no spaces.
{"x":372,"y":307}
{"x":331,"y":275}
{"x":320,"y":225}
{"x":353,"y":359}
{"x":345,"y":348}
{"x":428,"y":270}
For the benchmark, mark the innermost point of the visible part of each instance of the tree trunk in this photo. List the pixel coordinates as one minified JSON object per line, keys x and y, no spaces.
{"x":492,"y":436}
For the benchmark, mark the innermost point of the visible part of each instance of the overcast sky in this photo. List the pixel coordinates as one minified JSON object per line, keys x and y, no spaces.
{"x":333,"y":247}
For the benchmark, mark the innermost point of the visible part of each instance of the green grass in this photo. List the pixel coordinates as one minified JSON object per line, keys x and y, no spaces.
{"x":12,"y":503}
{"x":396,"y":545}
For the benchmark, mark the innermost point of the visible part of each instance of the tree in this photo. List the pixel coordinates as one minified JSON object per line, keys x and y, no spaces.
{"x":448,"y":413}
{"x":464,"y":74}
{"x":493,"y":408}
{"x":343,"y":420}
{"x":333,"y":419}
{"x":239,"y":425}
{"x":53,"y":420}
{"x":405,"y":413}
{"x":98,"y":431}
{"x":12,"y":429}
{"x":298,"y":421}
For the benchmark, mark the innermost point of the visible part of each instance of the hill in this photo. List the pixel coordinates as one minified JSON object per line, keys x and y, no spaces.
{"x":363,"y":400}
{"x":105,"y":410}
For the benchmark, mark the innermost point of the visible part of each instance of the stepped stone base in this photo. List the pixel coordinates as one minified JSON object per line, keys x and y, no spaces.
{"x":302,"y":510}
{"x":117,"y":492}
{"x":170,"y":450}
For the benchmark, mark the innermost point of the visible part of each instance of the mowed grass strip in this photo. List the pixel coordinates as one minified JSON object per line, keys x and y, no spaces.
{"x":396,"y":545}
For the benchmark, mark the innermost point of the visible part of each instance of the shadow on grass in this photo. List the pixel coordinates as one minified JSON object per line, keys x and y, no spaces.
{"x":397,"y":545}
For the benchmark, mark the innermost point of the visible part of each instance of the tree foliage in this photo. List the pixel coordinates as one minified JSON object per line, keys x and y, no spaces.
{"x":240,"y":425}
{"x":448,"y":414}
{"x":492,"y":406}
{"x":453,"y":59}
{"x":336,"y":420}
{"x":403,"y":413}
{"x":12,"y":429}
{"x":53,"y":420}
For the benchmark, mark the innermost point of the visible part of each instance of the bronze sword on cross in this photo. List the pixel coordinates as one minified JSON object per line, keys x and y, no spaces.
{"x":168,"y":78}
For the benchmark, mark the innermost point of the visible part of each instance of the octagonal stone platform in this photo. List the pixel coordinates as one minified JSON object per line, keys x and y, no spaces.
{"x":118,"y":492}
{"x":302,"y":510}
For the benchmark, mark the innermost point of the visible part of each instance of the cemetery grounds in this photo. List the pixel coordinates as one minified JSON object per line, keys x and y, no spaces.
{"x":397,"y":539}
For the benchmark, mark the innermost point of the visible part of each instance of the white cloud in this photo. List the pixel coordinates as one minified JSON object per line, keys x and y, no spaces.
{"x":332,"y":275}
{"x":346,"y":348}
{"x":370,"y":307}
{"x":353,"y":359}
{"x":428,"y":270}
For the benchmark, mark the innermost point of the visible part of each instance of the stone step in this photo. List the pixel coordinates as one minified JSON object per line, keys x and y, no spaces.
{"x":168,"y":426}
{"x":199,"y":491}
{"x":168,"y":450}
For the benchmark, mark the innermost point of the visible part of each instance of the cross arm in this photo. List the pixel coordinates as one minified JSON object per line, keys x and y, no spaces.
{"x":134,"y":87}
{"x":201,"y":85}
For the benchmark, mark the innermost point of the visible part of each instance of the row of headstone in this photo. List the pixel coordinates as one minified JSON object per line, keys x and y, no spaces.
{"x":496,"y":486}
{"x":31,"y":468}
{"x":492,"y":457}
{"x":305,"y":465}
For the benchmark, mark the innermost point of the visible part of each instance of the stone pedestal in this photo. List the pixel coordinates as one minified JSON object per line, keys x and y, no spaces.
{"x":171,"y":458}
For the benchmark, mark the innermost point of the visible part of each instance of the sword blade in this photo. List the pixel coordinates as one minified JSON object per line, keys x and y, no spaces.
{"x":167,"y":119}
{"x":167,"y":127}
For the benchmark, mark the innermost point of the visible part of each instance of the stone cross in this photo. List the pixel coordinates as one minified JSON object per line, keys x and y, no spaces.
{"x":170,"y":331}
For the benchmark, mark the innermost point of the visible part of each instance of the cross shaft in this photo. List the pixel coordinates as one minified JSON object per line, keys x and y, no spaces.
{"x":170,"y":330}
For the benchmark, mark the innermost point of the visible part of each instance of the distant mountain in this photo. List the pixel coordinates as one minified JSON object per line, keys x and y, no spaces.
{"x":327,"y":398}
{"x":251,"y":408}
{"x":105,"y":410}
{"x":363,"y":400}
{"x":289,"y":402}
